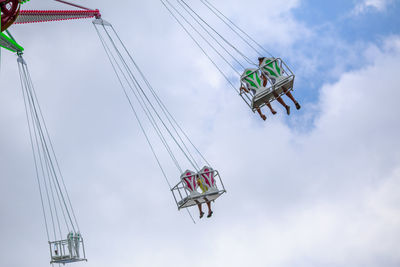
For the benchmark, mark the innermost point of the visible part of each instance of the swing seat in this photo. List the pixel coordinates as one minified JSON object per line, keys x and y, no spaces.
{"x":279,"y":76}
{"x":186,"y":194}
{"x":68,"y":250}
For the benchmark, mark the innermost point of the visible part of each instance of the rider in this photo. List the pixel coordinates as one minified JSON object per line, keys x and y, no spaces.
{"x":204,"y":189}
{"x":262,"y":61}
{"x":256,"y":85}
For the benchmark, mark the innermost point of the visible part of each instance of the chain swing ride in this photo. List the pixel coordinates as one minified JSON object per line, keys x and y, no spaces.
{"x":59,"y":215}
{"x":147,"y":107}
{"x":221,"y":51}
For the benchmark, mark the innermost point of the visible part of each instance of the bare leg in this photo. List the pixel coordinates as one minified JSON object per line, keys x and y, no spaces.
{"x":261,"y":115}
{"x":210,"y":212}
{"x":280,"y":100}
{"x":200,"y":211}
{"x":289,"y":94}
{"x":270,"y":107}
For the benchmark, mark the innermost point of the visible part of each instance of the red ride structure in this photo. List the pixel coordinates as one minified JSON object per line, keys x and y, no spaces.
{"x":9,"y":12}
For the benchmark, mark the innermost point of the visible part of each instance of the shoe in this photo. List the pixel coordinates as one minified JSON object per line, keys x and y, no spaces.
{"x":201,"y":214}
{"x":297,"y":106}
{"x":263,"y":117}
{"x":274,"y":112}
{"x":288,"y":110}
{"x":209,"y":214}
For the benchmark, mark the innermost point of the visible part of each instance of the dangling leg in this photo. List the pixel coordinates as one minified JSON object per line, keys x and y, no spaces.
{"x":289,"y":94}
{"x":280,"y":100}
{"x":270,"y":108}
{"x":200,"y":211}
{"x":261,"y":115}
{"x":210,"y":212}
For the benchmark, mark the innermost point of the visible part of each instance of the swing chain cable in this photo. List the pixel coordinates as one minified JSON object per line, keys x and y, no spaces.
{"x":55,"y":159}
{"x":140,"y":92}
{"x":175,"y":124}
{"x":225,"y":19}
{"x":165,"y":111}
{"x":201,"y":48}
{"x":110,"y":56}
{"x":49,"y":160}
{"x":146,"y":97}
{"x":28,"y":106}
{"x":188,"y":10}
{"x":36,"y":124}
{"x":33,"y":151}
{"x":216,"y":32}
{"x":114,"y":65}
{"x":202,"y":36}
{"x":159,"y":102}
{"x":141,"y":101}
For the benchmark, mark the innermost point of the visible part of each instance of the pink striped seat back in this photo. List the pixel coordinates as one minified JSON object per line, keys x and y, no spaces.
{"x":207,"y":175}
{"x":189,"y":181}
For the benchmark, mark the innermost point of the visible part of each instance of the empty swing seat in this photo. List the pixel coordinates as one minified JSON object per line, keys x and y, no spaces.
{"x":67,"y":251}
{"x":186,"y":192}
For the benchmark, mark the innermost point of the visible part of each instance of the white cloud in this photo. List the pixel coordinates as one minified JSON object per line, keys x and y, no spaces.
{"x":365,"y":5}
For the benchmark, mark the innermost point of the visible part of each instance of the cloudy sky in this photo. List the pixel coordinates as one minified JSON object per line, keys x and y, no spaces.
{"x":317,"y":188}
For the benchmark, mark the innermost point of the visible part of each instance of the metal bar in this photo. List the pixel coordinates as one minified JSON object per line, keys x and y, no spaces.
{"x":9,"y":44}
{"x":176,"y":201}
{"x":220,"y":180}
{"x":83,"y":249}
{"x":74,"y":5}
{"x":51,"y":252}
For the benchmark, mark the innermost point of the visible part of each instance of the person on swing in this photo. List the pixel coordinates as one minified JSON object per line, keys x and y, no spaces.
{"x":262,"y":62}
{"x":250,"y":83}
{"x":204,"y":189}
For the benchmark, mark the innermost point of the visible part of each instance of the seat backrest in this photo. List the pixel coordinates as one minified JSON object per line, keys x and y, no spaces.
{"x":207,"y":177}
{"x":271,"y":68}
{"x":189,"y":180}
{"x":252,"y":79}
{"x":70,"y":241}
{"x":70,"y":236}
{"x":77,"y":243}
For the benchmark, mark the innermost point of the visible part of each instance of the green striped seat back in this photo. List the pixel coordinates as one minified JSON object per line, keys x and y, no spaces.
{"x":271,"y":68}
{"x":70,"y":236}
{"x":252,"y":79}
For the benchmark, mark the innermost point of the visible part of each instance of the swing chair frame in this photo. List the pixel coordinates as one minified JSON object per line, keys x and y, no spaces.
{"x":66,"y":251}
{"x":266,"y":94}
{"x":185,"y":199}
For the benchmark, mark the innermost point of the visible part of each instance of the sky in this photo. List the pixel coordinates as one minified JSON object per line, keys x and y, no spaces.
{"x":317,"y":188}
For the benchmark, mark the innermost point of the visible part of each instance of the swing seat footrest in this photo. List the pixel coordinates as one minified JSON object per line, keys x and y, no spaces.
{"x":267,"y":95}
{"x":202,"y":198}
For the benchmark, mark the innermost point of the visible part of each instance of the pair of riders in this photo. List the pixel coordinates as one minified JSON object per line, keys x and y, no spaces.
{"x":269,"y":70}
